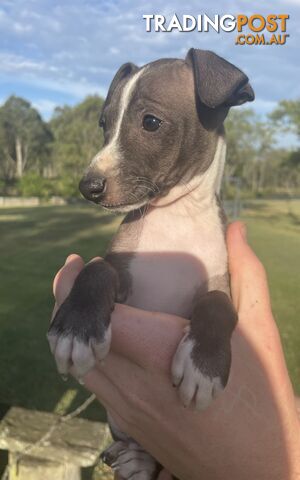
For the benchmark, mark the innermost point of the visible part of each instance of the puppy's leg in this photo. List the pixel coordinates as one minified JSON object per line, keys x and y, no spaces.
{"x":130,"y":461}
{"x":128,"y":458}
{"x":80,"y":332}
{"x":201,"y":365}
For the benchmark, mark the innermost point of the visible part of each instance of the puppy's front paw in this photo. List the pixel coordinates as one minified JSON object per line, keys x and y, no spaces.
{"x":199,"y":376}
{"x":78,"y":337}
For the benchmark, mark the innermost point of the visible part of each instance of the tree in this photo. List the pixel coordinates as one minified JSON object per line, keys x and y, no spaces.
{"x":24,"y":138}
{"x":290,"y":171}
{"x":251,"y":143}
{"x":51,"y":157}
{"x":77,"y":136}
{"x":287,"y":116}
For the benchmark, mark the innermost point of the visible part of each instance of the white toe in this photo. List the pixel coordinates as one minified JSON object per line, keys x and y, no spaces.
{"x":188,"y":386}
{"x":82,"y":357}
{"x":52,"y":339}
{"x":62,"y":354}
{"x":192,"y":383}
{"x":101,"y":349}
{"x":204,"y":393}
{"x":178,"y":362}
{"x":217,"y":387}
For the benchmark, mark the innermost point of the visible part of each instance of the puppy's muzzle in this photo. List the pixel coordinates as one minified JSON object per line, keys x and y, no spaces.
{"x":93,"y":188}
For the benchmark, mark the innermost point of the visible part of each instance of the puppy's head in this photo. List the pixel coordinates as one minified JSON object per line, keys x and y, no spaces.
{"x":161,"y":125}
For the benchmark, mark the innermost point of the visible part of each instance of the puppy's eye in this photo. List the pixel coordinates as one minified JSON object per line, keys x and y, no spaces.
{"x":151,"y":123}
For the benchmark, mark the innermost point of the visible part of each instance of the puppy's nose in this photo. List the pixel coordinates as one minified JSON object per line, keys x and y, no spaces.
{"x":92,"y":188}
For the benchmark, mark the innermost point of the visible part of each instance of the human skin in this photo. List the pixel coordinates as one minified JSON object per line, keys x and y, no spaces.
{"x":250,"y":431}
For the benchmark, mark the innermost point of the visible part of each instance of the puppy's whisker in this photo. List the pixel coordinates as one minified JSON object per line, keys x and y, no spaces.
{"x":149,"y":189}
{"x":142,"y":180}
{"x":137,"y":200}
{"x":186,"y":186}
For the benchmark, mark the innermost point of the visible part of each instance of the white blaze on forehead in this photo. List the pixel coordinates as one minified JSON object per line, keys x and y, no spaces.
{"x":108,"y":156}
{"x":125,"y":98}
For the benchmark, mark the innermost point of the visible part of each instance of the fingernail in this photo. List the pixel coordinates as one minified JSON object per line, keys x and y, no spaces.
{"x":243,"y":230}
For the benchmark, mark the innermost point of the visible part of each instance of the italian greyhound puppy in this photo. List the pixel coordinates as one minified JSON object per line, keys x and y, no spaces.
{"x":162,"y":162}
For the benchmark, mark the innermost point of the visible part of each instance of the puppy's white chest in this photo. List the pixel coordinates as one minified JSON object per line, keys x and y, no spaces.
{"x":175,"y":258}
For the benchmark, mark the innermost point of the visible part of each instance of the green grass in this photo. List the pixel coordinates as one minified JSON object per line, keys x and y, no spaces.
{"x":35,"y":243}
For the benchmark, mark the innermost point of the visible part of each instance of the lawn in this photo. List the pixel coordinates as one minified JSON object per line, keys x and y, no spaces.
{"x":35,"y":243}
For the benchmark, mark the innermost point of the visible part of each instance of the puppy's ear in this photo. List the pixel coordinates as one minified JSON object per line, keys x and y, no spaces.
{"x":217,"y":81}
{"x":124,"y":71}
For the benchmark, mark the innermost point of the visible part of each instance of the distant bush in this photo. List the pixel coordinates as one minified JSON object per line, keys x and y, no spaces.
{"x":67,"y":187}
{"x":231,"y":192}
{"x":33,"y":185}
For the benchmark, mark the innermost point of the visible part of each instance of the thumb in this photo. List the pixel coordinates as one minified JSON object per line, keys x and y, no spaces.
{"x":65,"y":277}
{"x":64,"y":280}
{"x":249,"y":287}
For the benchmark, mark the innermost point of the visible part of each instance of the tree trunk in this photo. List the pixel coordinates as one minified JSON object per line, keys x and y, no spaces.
{"x":19,"y":157}
{"x":254,"y":178}
{"x":261,"y":178}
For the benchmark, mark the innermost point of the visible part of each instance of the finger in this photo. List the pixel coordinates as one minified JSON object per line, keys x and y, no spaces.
{"x":251,"y":296}
{"x":148,"y":339}
{"x":107,"y":392}
{"x":66,"y":276}
{"x":249,"y":285}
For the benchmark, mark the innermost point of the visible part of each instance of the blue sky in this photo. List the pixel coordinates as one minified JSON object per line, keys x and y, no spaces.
{"x":57,"y":52}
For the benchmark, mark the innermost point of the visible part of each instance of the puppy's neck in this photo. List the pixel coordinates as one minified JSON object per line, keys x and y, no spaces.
{"x":190,"y":209}
{"x":200,"y":192}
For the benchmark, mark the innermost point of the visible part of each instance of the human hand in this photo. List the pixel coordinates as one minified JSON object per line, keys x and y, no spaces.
{"x":250,"y":431}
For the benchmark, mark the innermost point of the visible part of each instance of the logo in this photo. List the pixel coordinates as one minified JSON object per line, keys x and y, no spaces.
{"x":251,"y":30}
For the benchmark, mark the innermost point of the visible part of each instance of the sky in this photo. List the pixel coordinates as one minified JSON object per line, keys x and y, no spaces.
{"x":57,"y":52}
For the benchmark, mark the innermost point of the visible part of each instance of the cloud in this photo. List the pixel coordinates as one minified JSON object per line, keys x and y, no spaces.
{"x":11,"y":63}
{"x":45,"y":76}
{"x":73,"y":48}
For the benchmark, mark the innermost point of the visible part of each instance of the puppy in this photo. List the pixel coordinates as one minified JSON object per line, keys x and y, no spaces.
{"x":162,"y":162}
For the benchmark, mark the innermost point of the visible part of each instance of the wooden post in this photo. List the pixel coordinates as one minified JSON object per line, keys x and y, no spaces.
{"x":30,"y":468}
{"x":72,"y":445}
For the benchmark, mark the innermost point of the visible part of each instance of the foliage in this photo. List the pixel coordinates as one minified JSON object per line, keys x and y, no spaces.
{"x":250,"y":143}
{"x":254,"y":157}
{"x":53,"y":156}
{"x":67,"y":186}
{"x":24,"y":139}
{"x":33,"y":185}
{"x":77,"y":136}
{"x":287,"y":115}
